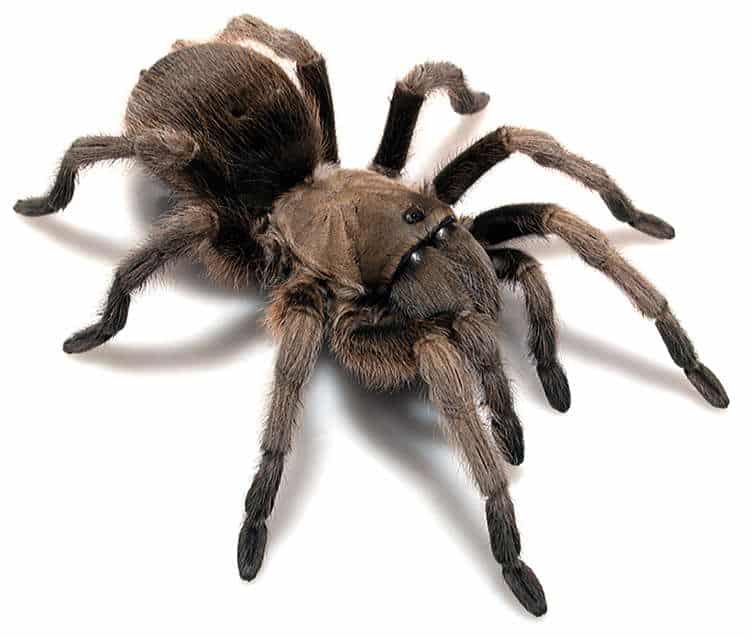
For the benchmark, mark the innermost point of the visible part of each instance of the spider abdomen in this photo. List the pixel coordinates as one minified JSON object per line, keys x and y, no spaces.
{"x":238,"y":125}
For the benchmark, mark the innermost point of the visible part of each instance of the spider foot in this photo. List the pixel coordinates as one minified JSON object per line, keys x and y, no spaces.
{"x":708,"y":385}
{"x":469,"y":102}
{"x":653,"y":226}
{"x":555,"y":385}
{"x":525,"y":586}
{"x":86,"y":339}
{"x":509,"y":437}
{"x":250,"y":548}
{"x":33,"y":207}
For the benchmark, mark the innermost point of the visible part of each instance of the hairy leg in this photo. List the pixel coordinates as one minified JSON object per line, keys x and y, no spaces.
{"x":409,"y":95}
{"x":176,"y":237}
{"x":520,"y":269}
{"x":459,"y":175}
{"x":441,"y":366}
{"x":385,"y":355}
{"x":507,"y":222}
{"x":474,"y":334}
{"x":311,"y":69}
{"x":82,"y":153}
{"x":297,"y":315}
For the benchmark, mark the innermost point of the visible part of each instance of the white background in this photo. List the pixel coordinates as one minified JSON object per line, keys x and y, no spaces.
{"x":123,"y":471}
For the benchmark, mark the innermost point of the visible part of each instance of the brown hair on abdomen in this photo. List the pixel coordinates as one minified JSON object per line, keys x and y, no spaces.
{"x":231,"y":115}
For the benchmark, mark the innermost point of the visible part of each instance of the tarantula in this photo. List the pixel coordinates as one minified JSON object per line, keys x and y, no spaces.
{"x":402,"y":291}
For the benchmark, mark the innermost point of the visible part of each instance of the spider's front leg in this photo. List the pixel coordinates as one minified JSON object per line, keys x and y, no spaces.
{"x":296,"y":315}
{"x":460,"y":174}
{"x":474,"y":335}
{"x":520,"y":269}
{"x":386,"y":355}
{"x":441,"y":366}
{"x":509,"y":222}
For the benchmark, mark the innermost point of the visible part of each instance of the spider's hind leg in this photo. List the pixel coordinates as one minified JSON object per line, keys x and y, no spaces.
{"x":470,"y":165}
{"x":311,"y":69}
{"x":520,"y":269}
{"x":82,"y":153}
{"x":174,"y":238}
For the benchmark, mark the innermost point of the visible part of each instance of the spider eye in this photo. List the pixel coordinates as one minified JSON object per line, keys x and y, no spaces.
{"x":413,"y":215}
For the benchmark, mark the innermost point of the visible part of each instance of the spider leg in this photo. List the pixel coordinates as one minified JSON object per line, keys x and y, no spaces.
{"x":82,"y":153}
{"x":298,"y":315}
{"x":474,"y":334}
{"x":520,"y":269}
{"x":441,"y":366}
{"x":180,"y":233}
{"x":592,"y":245}
{"x":409,"y":95}
{"x":460,"y":174}
{"x":387,"y":355}
{"x":311,"y":69}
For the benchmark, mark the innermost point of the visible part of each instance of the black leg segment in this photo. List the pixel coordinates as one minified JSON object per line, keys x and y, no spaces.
{"x":311,"y":68}
{"x":409,"y":95}
{"x":82,"y":153}
{"x":314,"y":78}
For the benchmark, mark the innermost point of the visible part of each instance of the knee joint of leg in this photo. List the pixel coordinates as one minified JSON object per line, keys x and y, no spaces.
{"x":504,"y":137}
{"x":590,"y":243}
{"x":600,"y":258}
{"x":529,"y":271}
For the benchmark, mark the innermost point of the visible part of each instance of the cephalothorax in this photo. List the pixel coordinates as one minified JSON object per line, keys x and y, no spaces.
{"x":401,"y":290}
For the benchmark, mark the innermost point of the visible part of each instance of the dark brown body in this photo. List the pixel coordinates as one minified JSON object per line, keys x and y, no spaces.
{"x":253,"y":133}
{"x":401,"y":290}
